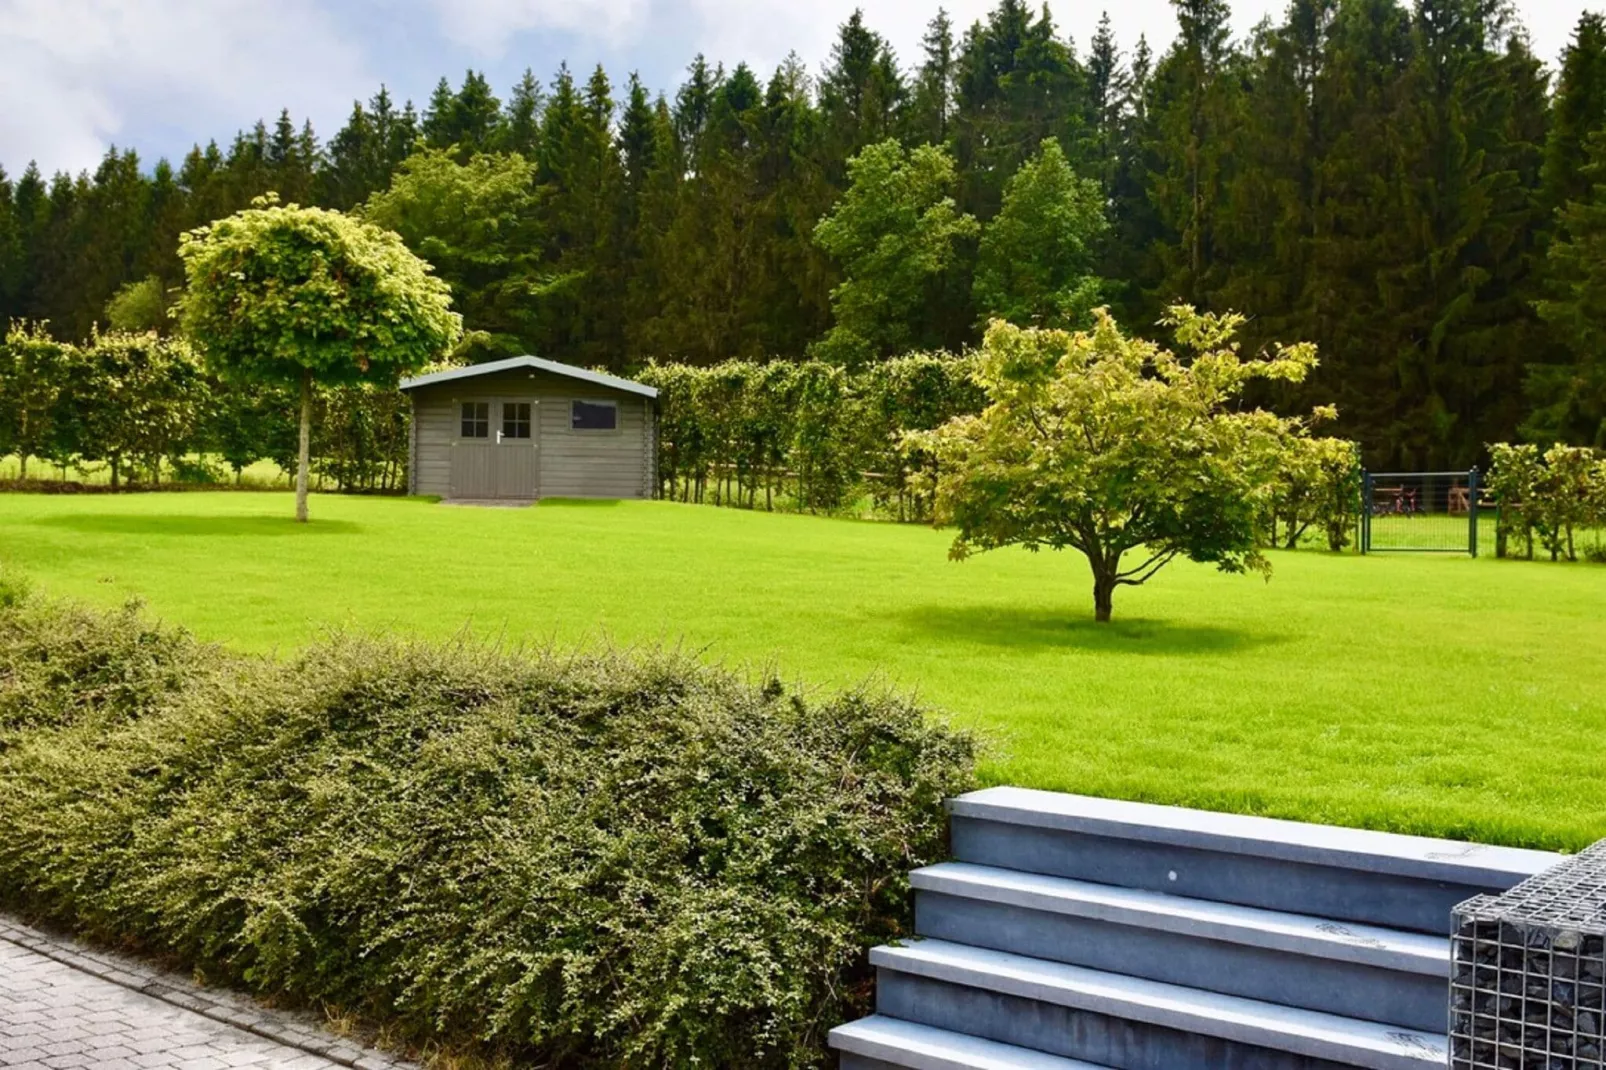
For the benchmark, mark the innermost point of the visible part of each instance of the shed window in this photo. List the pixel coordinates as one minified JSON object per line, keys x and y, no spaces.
{"x":476,"y":419}
{"x":595,"y":416}
{"x":516,"y":419}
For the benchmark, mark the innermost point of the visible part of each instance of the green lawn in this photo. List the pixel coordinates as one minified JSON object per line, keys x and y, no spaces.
{"x":1413,"y":692}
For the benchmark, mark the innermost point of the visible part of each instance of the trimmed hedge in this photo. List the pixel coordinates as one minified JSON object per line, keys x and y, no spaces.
{"x":620,"y":858}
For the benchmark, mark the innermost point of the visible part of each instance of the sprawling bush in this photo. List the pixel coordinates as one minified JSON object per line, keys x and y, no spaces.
{"x":606,"y":859}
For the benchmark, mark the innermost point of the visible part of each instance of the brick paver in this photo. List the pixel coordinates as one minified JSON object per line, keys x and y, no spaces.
{"x":55,"y":1016}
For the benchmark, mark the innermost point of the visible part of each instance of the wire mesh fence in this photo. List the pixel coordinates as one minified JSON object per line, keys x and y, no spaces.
{"x":1528,"y":972}
{"x":1432,"y":512}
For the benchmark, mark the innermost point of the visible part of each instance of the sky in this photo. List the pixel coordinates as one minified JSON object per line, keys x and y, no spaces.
{"x":77,"y":76}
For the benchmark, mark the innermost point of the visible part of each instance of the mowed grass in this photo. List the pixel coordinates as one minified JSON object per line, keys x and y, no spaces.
{"x":1417,"y":693}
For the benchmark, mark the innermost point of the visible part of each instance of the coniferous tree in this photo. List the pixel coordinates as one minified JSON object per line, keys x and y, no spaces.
{"x":1572,"y":396}
{"x":1191,"y":115}
{"x":520,"y":128}
{"x":861,"y":92}
{"x":931,"y":98}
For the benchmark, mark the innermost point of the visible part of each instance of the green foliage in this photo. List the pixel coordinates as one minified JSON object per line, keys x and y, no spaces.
{"x":476,"y":224}
{"x":304,"y":296}
{"x":807,"y":434}
{"x":1572,"y":395}
{"x":1318,"y":485}
{"x":1036,"y":265}
{"x":130,"y":400}
{"x":1515,"y":472}
{"x":32,"y":367}
{"x":617,"y":859}
{"x":276,"y":292}
{"x":1109,"y":445}
{"x":894,"y":232}
{"x":139,"y":307}
{"x":1551,"y":496}
{"x":1391,"y":180}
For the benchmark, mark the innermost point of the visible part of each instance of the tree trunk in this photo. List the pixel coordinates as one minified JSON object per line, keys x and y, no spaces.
{"x":1103,"y":596}
{"x":112,"y":460}
{"x":304,"y":452}
{"x":23,"y":456}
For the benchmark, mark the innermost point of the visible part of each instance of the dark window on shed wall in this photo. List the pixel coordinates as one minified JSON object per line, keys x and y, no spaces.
{"x":594,"y":416}
{"x":476,"y":419}
{"x":516,"y":419}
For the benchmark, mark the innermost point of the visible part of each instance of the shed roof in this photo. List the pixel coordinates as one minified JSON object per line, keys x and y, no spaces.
{"x":538,"y":363}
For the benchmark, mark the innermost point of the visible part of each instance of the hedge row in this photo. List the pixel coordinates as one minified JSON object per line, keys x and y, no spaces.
{"x":1548,"y":498}
{"x":142,"y":407}
{"x":807,"y":435}
{"x":621,"y":859}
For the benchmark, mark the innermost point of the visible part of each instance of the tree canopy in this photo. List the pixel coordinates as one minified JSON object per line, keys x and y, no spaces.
{"x":1388,"y":178}
{"x":894,"y":232}
{"x":290,"y":295}
{"x":1110,"y":446}
{"x":1038,"y":254}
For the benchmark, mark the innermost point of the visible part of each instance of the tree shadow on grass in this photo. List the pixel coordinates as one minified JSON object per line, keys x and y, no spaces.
{"x":210,"y":526}
{"x":1037,"y":629}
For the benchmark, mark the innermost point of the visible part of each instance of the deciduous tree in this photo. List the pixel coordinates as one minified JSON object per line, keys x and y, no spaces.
{"x":894,"y":232}
{"x":1036,"y":264}
{"x":284,"y":294}
{"x":1111,"y":446}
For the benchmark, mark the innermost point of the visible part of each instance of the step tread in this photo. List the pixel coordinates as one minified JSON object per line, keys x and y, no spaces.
{"x":924,"y":1047}
{"x":1451,"y":861}
{"x":1314,"y":1034}
{"x":1299,"y":934}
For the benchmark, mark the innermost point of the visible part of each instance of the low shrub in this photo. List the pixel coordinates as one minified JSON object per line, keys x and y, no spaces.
{"x":618,"y":858}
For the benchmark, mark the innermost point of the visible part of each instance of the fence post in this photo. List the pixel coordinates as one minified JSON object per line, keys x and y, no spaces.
{"x":1366,"y":511}
{"x":1472,"y":511}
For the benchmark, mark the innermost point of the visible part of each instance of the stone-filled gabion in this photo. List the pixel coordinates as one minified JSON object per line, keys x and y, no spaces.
{"x":1528,"y":972}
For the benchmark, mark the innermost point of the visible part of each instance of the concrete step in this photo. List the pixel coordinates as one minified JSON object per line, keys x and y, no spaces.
{"x":877,"y":1043}
{"x":1125,"y":1022}
{"x":1354,"y":970}
{"x":1347,"y":875}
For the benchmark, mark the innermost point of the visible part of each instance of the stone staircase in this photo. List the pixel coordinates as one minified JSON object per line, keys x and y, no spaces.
{"x":1074,"y":933}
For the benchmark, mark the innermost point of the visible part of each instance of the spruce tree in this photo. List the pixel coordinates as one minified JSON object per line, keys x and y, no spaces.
{"x":931,"y":99}
{"x":861,"y":92}
{"x":520,"y":128}
{"x":1572,"y":396}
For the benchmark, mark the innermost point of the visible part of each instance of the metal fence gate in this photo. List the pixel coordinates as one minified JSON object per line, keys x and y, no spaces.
{"x":1422,"y":512}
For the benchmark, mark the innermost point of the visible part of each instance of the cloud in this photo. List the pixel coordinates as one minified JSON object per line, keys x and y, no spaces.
{"x":488,"y":27}
{"x":78,"y":75}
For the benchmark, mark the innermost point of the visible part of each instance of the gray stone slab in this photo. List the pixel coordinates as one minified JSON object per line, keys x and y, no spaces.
{"x":1420,"y":858}
{"x":1321,"y":1038}
{"x":880,"y":1041}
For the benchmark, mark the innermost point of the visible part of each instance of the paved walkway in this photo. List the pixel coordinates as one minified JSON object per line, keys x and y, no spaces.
{"x":63,"y":1006}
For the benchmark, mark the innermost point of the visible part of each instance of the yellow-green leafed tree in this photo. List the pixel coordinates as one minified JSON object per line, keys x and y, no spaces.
{"x":284,"y":294}
{"x":1113,"y":446}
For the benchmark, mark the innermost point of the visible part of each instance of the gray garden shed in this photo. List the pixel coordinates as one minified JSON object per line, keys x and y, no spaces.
{"x":527,"y":428}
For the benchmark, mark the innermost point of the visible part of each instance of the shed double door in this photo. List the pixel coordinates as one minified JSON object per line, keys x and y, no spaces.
{"x":497,"y":451}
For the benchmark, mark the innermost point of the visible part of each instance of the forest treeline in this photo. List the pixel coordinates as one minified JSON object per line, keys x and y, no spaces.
{"x":1407,"y":186}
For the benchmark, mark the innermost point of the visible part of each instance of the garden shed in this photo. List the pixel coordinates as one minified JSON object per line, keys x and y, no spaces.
{"x":526,"y":428}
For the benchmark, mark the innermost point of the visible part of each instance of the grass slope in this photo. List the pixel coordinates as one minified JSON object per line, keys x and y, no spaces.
{"x":1418,"y":693}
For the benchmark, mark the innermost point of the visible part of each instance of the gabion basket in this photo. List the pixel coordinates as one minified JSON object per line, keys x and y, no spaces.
{"x":1528,"y":972}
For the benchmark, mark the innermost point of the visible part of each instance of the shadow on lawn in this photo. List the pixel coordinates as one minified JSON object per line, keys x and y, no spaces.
{"x":212,"y":526}
{"x":1008,"y":626}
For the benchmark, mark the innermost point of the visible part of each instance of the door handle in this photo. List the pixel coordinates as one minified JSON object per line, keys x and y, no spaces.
{"x":499,"y":438}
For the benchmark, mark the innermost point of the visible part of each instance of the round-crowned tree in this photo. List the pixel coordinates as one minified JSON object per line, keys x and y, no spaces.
{"x":1112,"y":446}
{"x":289,"y":295}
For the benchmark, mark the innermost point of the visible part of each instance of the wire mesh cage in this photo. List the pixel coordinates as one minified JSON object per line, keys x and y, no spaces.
{"x":1528,"y":972}
{"x":1420,"y":511}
